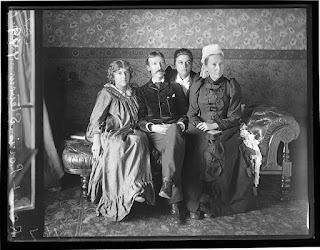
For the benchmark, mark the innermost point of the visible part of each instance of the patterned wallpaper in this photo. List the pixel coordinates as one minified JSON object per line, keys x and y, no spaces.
{"x":276,"y":29}
{"x":265,"y":50}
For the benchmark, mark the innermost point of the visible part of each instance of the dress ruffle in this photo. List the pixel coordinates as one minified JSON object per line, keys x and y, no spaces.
{"x":117,"y":208}
{"x":122,"y":171}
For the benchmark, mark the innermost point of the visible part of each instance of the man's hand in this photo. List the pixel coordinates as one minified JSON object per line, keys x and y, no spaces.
{"x":160,"y":128}
{"x":181,"y":125}
{"x":204,"y":126}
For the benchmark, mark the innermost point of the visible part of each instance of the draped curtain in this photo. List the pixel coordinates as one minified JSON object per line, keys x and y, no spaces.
{"x":21,"y":58}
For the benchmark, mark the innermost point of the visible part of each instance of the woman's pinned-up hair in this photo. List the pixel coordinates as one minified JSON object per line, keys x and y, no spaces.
{"x":115,"y":66}
{"x":180,"y":52}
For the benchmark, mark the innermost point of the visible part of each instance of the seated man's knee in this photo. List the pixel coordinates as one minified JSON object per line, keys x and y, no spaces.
{"x":175,"y":128}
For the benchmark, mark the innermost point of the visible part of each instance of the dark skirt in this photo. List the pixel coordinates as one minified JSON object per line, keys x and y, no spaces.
{"x":216,"y":173}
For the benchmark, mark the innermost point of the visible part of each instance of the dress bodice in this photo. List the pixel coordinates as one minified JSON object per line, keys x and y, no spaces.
{"x":112,"y":111}
{"x":215,"y":102}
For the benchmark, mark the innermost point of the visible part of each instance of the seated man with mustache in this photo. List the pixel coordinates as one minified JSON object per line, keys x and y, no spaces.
{"x":162,"y":115}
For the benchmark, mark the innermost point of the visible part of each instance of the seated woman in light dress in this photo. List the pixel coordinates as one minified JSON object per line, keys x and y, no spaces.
{"x":121,"y":171}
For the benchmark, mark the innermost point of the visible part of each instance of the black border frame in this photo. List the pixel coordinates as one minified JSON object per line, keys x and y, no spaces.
{"x":191,"y":242}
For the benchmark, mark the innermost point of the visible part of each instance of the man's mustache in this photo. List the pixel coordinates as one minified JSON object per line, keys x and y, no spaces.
{"x":160,"y":70}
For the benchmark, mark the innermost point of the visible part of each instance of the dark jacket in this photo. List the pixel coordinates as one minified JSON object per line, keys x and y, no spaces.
{"x":164,"y":105}
{"x":171,"y":75}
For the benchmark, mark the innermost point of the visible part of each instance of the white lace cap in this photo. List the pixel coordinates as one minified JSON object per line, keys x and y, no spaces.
{"x":212,"y":49}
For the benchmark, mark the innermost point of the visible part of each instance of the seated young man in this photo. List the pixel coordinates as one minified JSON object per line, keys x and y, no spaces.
{"x":183,"y":73}
{"x":162,"y":115}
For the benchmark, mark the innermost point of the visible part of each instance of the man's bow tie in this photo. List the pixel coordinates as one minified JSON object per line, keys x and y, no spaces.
{"x":158,"y":84}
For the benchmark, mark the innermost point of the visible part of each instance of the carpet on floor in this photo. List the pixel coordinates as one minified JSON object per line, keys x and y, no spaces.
{"x":67,"y":215}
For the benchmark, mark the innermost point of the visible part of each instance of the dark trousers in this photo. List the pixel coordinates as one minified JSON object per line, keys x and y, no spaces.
{"x":172,"y":148}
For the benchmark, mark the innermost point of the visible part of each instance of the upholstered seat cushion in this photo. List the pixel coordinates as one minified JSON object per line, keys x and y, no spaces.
{"x":77,"y":157}
{"x":263,"y":121}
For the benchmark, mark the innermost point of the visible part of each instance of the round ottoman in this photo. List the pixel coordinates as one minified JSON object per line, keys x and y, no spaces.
{"x":77,"y":159}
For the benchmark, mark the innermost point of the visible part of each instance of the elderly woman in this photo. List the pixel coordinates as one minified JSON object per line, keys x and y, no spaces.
{"x":217,"y":180}
{"x":121,"y":172}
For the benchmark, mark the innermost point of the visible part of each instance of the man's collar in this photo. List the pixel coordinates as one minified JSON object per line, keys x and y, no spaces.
{"x":154,"y":81}
{"x":179,"y":79}
{"x":163,"y":84}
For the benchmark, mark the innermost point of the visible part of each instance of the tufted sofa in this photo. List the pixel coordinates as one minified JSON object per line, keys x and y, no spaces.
{"x":270,"y":128}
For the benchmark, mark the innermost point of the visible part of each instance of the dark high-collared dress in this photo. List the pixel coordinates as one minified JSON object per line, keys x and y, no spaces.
{"x":216,"y":172}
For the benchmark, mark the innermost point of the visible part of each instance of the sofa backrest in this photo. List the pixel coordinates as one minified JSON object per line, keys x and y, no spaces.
{"x":270,"y":78}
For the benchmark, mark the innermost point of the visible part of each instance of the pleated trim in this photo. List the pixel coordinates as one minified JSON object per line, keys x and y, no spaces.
{"x":95,"y":183}
{"x":94,"y":191}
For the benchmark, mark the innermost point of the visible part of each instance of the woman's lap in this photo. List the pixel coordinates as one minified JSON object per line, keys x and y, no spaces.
{"x":216,"y":165}
{"x":125,"y":172}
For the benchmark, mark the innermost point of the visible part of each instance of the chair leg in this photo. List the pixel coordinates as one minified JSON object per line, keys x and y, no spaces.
{"x":84,"y":185}
{"x":286,"y":173}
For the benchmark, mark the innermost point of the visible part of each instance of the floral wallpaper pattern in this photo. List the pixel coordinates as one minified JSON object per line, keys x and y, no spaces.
{"x":282,"y":28}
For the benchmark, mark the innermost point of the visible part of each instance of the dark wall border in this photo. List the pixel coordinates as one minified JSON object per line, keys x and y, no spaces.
{"x":168,"y":53}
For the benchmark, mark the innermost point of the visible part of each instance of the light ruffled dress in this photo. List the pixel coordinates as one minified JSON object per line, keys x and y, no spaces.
{"x":123,"y":170}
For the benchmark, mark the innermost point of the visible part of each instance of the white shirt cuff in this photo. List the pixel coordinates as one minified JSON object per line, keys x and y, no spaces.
{"x":147,"y":126}
{"x":183,"y":126}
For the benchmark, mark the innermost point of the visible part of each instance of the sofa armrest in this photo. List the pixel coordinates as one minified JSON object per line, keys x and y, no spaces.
{"x":266,"y":121}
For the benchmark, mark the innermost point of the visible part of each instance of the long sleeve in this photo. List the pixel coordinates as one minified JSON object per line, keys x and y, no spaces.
{"x":234,"y":110}
{"x":142,"y":122}
{"x":166,"y":104}
{"x":194,"y":109}
{"x":182,"y":104}
{"x":99,"y":114}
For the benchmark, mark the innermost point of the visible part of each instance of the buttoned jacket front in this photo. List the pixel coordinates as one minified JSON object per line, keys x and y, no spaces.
{"x":164,"y":105}
{"x":171,"y":74}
